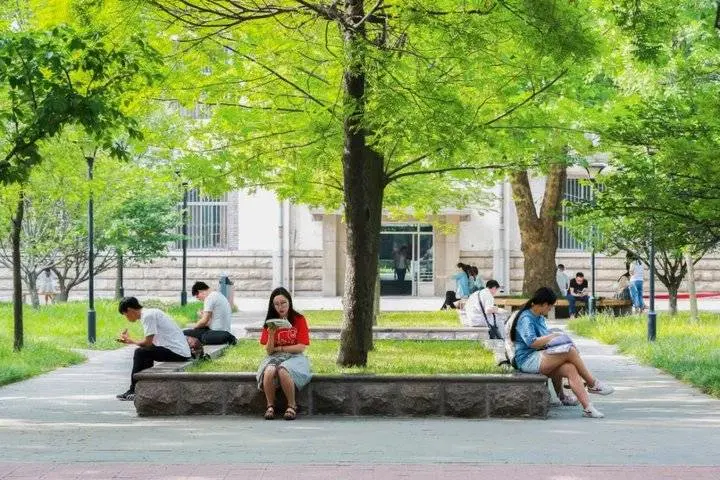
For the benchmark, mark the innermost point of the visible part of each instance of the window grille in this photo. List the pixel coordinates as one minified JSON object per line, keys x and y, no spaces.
{"x":207,"y":226}
{"x":575,"y":190}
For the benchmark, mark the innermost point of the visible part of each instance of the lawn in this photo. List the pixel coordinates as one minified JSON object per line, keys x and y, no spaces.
{"x":52,"y":331}
{"x":689,"y":351}
{"x":420,"y":357}
{"x":439,"y":318}
{"x":34,"y":359}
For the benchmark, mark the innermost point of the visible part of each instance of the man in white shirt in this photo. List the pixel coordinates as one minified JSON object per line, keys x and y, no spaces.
{"x":481,"y":308}
{"x":214,"y":317}
{"x":163,"y":340}
{"x":562,"y":280}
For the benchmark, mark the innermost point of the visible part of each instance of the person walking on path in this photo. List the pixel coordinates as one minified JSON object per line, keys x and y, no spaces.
{"x":163,"y":340}
{"x":216,"y":316}
{"x":637,"y":269}
{"x":562,"y":280}
{"x":285,"y":364}
{"x":530,"y":335}
{"x":47,"y":286}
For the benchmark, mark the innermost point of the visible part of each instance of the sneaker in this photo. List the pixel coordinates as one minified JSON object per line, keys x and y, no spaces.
{"x":128,"y":396}
{"x":600,"y":388}
{"x":569,"y":401}
{"x":592,"y":412}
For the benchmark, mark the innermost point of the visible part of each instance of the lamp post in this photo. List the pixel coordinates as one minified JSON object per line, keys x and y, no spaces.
{"x":593,"y":170}
{"x":90,"y":158}
{"x":652,"y":316}
{"x":183,"y":293}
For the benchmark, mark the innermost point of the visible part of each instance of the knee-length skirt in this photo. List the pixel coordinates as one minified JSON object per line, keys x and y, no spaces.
{"x":297,"y":365}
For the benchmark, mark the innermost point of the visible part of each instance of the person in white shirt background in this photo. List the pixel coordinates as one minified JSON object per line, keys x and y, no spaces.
{"x":562,"y":279}
{"x":485,"y":300}
{"x":637,"y":272}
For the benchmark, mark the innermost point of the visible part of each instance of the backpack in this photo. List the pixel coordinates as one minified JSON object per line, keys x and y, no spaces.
{"x":509,"y":343}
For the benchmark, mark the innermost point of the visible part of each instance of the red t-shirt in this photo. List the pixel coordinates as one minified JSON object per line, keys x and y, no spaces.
{"x":299,"y":333}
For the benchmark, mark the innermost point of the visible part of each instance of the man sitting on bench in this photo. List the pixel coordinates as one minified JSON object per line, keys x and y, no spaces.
{"x":578,"y":291}
{"x":213,"y":328}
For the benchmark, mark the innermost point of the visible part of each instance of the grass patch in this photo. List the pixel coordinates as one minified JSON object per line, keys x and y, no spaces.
{"x":689,"y":351}
{"x":421,"y":357}
{"x":439,"y":318}
{"x":65,"y":324}
{"x":34,"y":359}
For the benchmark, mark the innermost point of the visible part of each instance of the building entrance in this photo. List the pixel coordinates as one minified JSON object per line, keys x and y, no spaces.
{"x":406,"y":259}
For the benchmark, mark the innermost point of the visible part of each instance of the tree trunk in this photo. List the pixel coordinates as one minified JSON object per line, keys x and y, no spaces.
{"x":62,"y":295}
{"x":119,"y":291}
{"x":538,"y":232}
{"x":691,"y":286}
{"x":672,"y":299}
{"x":363,"y":181}
{"x":17,"y":278}
{"x":32,"y":288}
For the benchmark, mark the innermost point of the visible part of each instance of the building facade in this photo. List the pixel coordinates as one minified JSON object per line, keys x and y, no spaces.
{"x":261,"y":242}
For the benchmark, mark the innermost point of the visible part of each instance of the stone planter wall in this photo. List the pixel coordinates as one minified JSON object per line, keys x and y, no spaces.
{"x":160,"y":392}
{"x":333,"y":333}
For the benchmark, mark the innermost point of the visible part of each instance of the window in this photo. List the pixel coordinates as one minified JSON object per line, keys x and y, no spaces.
{"x":207,"y":225}
{"x":574,"y":191}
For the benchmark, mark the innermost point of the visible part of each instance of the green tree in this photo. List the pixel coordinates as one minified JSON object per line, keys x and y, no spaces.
{"x":346,"y":103}
{"x":50,"y":79}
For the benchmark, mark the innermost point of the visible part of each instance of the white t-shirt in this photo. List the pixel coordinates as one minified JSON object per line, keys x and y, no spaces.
{"x":167,"y":333}
{"x":475,"y":316}
{"x":638,"y":271}
{"x":216,"y":303}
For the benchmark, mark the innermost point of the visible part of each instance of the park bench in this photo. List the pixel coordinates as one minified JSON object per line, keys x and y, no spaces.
{"x":610,"y":305}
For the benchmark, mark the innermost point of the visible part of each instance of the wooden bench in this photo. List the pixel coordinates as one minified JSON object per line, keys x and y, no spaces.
{"x":604,"y":305}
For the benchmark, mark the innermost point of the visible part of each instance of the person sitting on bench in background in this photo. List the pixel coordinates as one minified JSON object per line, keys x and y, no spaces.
{"x":213,"y":327}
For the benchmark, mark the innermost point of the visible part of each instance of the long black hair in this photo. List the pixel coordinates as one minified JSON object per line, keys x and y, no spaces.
{"x":542,"y":296}
{"x":272,"y":313}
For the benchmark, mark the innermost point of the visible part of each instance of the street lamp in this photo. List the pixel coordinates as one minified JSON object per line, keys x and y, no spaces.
{"x":593,"y":169}
{"x":90,"y":151}
{"x":652,"y":316}
{"x":183,"y":292}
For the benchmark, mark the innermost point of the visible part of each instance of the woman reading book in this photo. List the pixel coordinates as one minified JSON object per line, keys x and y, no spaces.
{"x":285,"y":336}
{"x":537,"y":350}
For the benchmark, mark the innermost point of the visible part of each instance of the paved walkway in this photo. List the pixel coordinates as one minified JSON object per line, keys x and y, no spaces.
{"x":67,"y":424}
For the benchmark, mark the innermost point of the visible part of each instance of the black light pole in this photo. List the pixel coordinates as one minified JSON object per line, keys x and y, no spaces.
{"x":652,"y":316}
{"x":91,"y":256}
{"x":593,"y":170}
{"x":183,"y":294}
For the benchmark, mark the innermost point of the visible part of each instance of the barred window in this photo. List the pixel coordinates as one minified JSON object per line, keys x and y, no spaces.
{"x":207,"y":226}
{"x":574,"y":190}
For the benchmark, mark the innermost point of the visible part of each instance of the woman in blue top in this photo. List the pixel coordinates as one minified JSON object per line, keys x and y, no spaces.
{"x":462,"y":282}
{"x":531,"y":335}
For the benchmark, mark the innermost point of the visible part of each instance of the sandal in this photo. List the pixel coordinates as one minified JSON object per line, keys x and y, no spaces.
{"x":290,"y":413}
{"x":270,"y":412}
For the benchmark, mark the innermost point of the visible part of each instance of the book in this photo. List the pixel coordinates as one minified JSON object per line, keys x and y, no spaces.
{"x":560,"y":344}
{"x":278,"y":323}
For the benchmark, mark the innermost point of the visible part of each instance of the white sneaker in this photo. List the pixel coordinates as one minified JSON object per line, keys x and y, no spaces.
{"x":600,"y":388}
{"x":592,"y":412}
{"x":569,"y":401}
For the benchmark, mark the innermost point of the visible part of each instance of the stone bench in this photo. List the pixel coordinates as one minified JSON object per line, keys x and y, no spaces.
{"x":393,"y":333}
{"x":162,"y":393}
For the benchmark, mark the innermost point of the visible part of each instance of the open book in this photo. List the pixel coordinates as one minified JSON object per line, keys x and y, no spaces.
{"x":560,"y":344}
{"x":278,"y":323}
